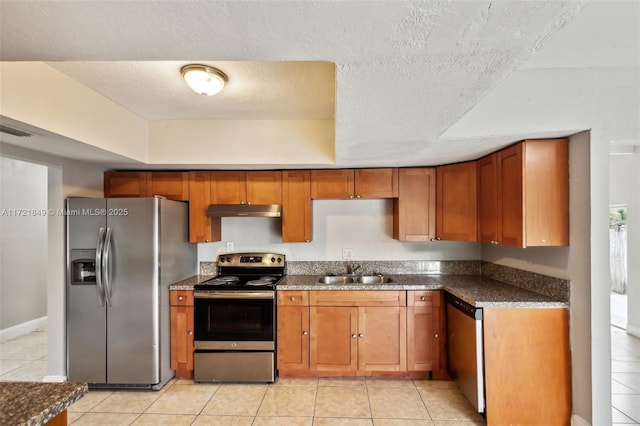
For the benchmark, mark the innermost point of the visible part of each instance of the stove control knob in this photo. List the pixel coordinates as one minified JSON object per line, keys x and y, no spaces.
{"x":279,"y":260}
{"x":228,"y":259}
{"x":273,"y":259}
{"x":222,"y":260}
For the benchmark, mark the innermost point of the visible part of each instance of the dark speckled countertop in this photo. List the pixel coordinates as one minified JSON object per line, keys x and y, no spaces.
{"x":35,"y":403}
{"x":477,"y":290}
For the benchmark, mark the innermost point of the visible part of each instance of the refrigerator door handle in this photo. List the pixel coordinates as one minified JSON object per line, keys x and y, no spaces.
{"x":99,"y":283}
{"x":105,"y":266}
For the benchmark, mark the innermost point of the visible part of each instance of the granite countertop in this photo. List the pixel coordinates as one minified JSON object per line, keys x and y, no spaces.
{"x":479,"y":291}
{"x":35,"y":403}
{"x":188,"y":283}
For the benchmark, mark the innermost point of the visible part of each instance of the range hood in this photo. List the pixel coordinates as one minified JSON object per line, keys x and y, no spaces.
{"x":241,"y":210}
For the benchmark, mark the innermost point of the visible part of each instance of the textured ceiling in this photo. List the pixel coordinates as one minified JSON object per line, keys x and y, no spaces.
{"x":405,"y":72}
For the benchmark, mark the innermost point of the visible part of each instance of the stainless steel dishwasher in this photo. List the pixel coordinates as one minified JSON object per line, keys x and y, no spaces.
{"x":465,"y":349}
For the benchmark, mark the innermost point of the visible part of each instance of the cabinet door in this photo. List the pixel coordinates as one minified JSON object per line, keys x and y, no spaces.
{"x":488,"y":199}
{"x":182,"y":341}
{"x":333,"y":184}
{"x":296,"y":206}
{"x":456,"y":215}
{"x":172,"y":185}
{"x":382,"y":338}
{"x":546,"y":192}
{"x":264,"y":187}
{"x":414,"y":211}
{"x":423,"y":337}
{"x":376,"y":183}
{"x":228,"y":187}
{"x":334,"y":338}
{"x":293,"y":337}
{"x":510,"y":219}
{"x":202,"y":229}
{"x":126,"y":184}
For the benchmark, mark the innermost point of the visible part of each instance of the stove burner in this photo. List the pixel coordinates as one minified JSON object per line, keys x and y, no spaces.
{"x":222,"y":280}
{"x":260,"y":282}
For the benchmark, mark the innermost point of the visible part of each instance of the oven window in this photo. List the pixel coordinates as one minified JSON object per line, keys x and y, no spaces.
{"x":234,"y":319}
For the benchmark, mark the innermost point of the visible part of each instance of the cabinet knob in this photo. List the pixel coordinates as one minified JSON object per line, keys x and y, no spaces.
{"x":249,"y":203}
{"x":350,"y":196}
{"x":361,"y":335}
{"x":354,"y":336}
{"x":436,"y":335}
{"x":242,"y":202}
{"x":293,"y":299}
{"x":181,"y":298}
{"x":304,"y":333}
{"x":307,"y":241}
{"x":423,"y":298}
{"x":206,"y":240}
{"x":358,"y":196}
{"x":190,"y":333}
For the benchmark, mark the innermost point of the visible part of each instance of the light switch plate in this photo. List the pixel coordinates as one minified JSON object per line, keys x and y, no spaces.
{"x":347,"y":254}
{"x":229,"y":245}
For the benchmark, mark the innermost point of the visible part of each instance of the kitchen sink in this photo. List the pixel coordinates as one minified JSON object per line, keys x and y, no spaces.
{"x":335,"y":279}
{"x":357,"y":279}
{"x":373,"y":279}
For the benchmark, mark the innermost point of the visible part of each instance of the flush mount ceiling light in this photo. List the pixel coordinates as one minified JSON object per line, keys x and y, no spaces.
{"x":203,"y":79}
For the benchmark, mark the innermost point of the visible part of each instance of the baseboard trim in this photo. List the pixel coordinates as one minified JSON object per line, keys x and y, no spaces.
{"x":633,"y":330}
{"x":54,"y":379}
{"x":23,"y":328}
{"x":576,"y":420}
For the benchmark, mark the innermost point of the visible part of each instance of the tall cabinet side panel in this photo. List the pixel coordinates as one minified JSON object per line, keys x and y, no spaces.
{"x":85,"y":316}
{"x":178,"y":260}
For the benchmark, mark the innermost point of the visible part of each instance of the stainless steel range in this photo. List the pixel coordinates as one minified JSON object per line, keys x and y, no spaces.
{"x":235,"y":319}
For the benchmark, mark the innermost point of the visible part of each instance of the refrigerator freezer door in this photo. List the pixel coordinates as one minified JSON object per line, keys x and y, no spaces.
{"x":132,"y":282}
{"x":86,"y":319}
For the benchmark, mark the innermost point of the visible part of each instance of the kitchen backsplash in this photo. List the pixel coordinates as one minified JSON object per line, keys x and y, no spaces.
{"x":556,"y":288}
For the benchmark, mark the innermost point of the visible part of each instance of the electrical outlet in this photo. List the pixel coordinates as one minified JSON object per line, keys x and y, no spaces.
{"x":229,"y":245}
{"x":347,"y":254}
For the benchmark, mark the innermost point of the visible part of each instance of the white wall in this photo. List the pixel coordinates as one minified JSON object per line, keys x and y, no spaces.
{"x":65,"y":178}
{"x":364,"y":226}
{"x":23,"y":243}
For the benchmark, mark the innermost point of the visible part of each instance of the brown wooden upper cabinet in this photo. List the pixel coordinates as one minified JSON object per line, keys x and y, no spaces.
{"x":202,"y":228}
{"x":456,"y":206}
{"x":296,"y":206}
{"x":414,"y":211}
{"x":172,"y":185}
{"x":523,"y":195}
{"x":354,"y":183}
{"x":254,"y":187}
{"x":125,"y":184}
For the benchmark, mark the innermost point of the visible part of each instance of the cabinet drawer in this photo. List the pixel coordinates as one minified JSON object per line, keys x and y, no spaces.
{"x":423,"y":298}
{"x":181,"y":297}
{"x":293,"y":298}
{"x":358,"y":298}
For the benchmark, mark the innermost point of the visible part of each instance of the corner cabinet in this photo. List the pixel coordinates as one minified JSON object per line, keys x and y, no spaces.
{"x":182,"y":333}
{"x":523,"y":194}
{"x":456,"y":204}
{"x":414,"y":211}
{"x":354,"y":183}
{"x":296,"y":206}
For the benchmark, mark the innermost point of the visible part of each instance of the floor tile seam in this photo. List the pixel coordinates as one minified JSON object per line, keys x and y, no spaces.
{"x":264,"y":395}
{"x":424,"y":404}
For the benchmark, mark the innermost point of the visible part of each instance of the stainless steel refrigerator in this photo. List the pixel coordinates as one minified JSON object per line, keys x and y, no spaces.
{"x":122,"y":255}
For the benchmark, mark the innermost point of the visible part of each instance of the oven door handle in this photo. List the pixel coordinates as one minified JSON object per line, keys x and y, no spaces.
{"x":233,"y":295}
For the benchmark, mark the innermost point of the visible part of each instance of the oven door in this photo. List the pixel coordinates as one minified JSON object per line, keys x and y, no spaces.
{"x":234,"y":320}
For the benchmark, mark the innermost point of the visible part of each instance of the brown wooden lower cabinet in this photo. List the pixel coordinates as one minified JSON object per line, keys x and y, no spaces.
{"x":356,"y":333}
{"x":527,"y":366}
{"x":426,"y":349}
{"x":182,"y":333}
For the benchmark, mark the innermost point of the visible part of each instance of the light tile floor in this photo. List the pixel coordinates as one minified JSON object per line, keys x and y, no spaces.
{"x":298,"y":401}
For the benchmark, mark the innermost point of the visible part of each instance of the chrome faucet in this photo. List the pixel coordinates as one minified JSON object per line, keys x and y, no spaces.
{"x":353,"y":268}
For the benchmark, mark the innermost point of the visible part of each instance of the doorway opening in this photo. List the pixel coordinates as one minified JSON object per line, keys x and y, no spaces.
{"x":618,"y":264}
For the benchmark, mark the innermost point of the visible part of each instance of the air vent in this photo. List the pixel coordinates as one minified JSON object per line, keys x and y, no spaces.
{"x":14,"y":132}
